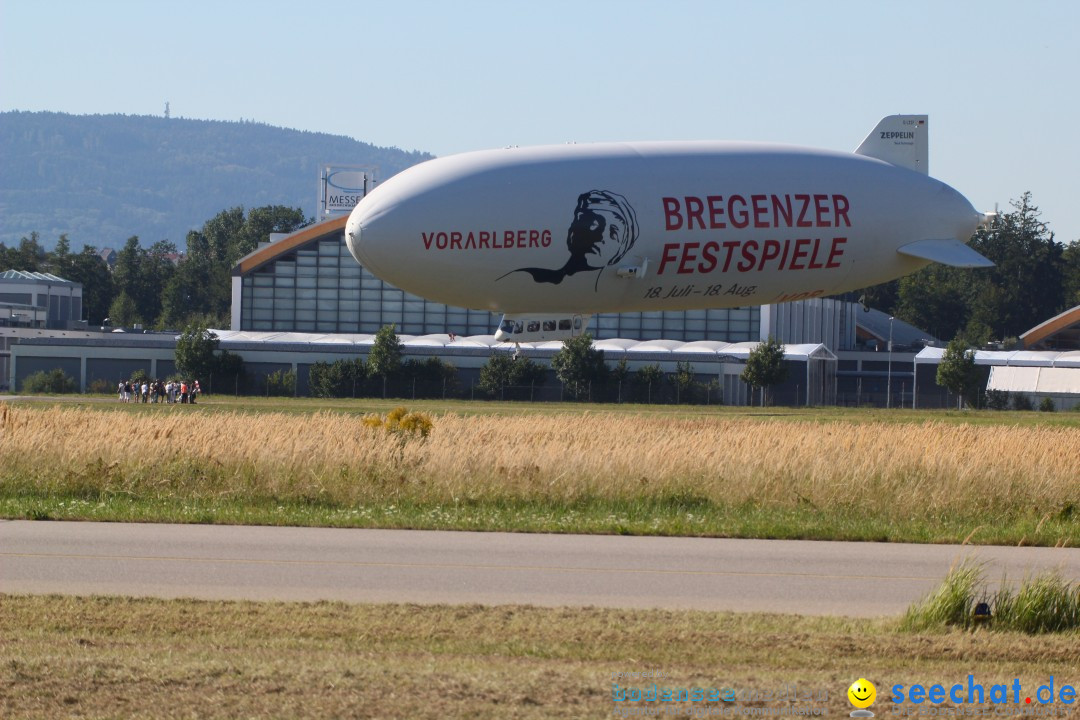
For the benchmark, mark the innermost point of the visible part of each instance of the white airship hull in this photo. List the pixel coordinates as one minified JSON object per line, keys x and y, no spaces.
{"x":582,"y":229}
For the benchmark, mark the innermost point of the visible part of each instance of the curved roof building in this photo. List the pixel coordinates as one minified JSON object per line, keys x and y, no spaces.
{"x":1061,"y":332}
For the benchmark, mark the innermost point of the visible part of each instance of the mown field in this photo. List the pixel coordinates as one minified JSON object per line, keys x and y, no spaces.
{"x":112,"y":657}
{"x":985,"y":477}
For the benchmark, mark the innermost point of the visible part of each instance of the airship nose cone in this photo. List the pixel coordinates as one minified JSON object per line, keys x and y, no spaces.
{"x":355,"y":238}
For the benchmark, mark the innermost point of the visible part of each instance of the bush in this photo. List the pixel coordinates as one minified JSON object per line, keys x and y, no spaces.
{"x":1043,"y":603}
{"x":101,"y":386}
{"x":1047,"y":405}
{"x":339,"y":379}
{"x":1020,"y":401}
{"x":431,"y":377}
{"x":950,"y":605}
{"x":51,"y":381}
{"x":648,"y":381}
{"x":649,"y":375}
{"x":229,"y":366}
{"x":401,"y":422}
{"x":503,"y":370}
{"x":997,"y":400}
{"x":281,"y":383}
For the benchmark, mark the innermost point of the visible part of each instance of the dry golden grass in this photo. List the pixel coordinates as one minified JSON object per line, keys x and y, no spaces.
{"x":899,"y":469}
{"x":114,"y":657}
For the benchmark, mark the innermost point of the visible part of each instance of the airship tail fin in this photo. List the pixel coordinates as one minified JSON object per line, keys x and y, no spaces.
{"x":948,"y":251}
{"x":899,"y":140}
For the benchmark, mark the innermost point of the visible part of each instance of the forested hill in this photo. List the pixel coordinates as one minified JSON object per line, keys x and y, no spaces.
{"x":103,"y":178}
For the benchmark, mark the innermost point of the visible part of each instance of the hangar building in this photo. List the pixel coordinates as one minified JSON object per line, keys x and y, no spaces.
{"x":91,"y":356}
{"x":1061,"y":332}
{"x":39,"y":300}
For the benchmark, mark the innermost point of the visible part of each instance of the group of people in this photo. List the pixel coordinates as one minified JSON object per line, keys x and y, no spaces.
{"x":159,"y":391}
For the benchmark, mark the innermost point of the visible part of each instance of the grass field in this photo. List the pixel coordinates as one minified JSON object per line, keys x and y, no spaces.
{"x":873,"y":475}
{"x":306,"y":405}
{"x":995,"y":478}
{"x":102,"y":657}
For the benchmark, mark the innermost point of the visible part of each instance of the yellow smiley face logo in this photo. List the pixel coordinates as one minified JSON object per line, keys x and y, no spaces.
{"x":862,"y":693}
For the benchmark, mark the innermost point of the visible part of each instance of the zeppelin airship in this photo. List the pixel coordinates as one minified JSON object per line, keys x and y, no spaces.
{"x":550,"y":235}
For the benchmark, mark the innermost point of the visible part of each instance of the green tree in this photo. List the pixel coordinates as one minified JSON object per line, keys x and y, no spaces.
{"x":202,"y":282}
{"x":579,"y":365}
{"x":1030,"y":282}
{"x":619,"y":375}
{"x":60,"y":254}
{"x":957,"y":371}
{"x":198,"y":287}
{"x":93,"y":272}
{"x":228,"y":369}
{"x":430,"y":377}
{"x":621,"y":372}
{"x":158,"y":269}
{"x":196,"y":352}
{"x":683,"y":380}
{"x":29,"y":256}
{"x":884,"y":297}
{"x":341,"y":378}
{"x":127,"y":273}
{"x":143,"y":273}
{"x":123,"y":312}
{"x":496,"y":373}
{"x":232,"y":233}
{"x":52,"y":381}
{"x":765,"y":368}
{"x":1027,"y":272}
{"x":384,"y":359}
{"x":503,"y":370}
{"x":88,"y":269}
{"x":936,"y":299}
{"x":649,"y":380}
{"x":528,"y":373}
{"x":258,"y":226}
{"x":281,"y":383}
{"x":211,"y":242}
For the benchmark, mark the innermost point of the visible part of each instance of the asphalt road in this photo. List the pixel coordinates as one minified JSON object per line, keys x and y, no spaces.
{"x":272,"y":563}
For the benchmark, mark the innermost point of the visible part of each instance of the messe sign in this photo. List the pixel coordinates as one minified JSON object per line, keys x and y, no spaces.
{"x":341,"y":187}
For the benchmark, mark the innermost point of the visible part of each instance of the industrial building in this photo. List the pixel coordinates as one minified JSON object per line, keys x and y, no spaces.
{"x":1061,"y":332}
{"x":1034,"y":374}
{"x":91,"y":356}
{"x":39,"y":300}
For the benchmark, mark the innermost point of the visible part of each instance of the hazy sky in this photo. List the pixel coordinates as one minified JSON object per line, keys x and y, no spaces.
{"x":999,"y":80}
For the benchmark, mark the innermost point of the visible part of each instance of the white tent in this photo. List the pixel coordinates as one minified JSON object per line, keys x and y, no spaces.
{"x":1040,"y":374}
